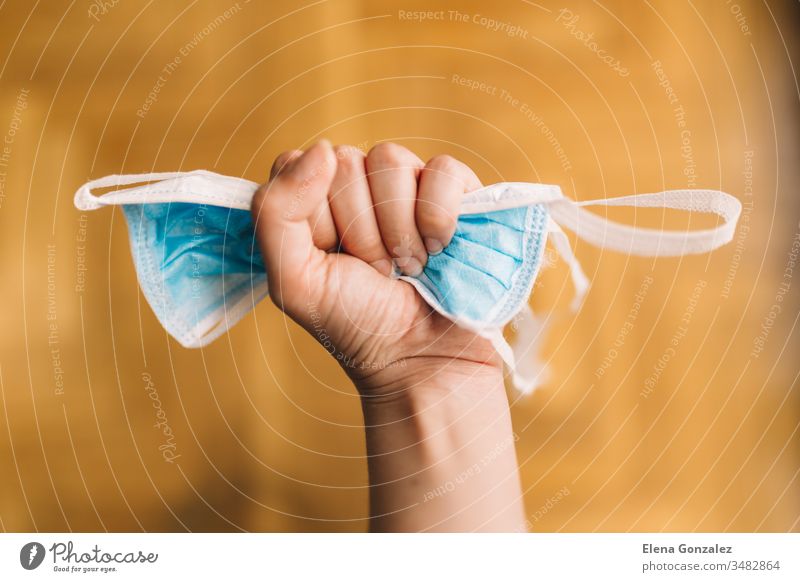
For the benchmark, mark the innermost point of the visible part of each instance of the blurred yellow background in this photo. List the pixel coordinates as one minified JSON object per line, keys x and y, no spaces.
{"x":603,"y":98}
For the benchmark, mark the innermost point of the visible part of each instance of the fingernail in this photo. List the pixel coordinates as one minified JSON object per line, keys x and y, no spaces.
{"x":434,"y":246}
{"x":383,"y":266}
{"x":412,"y":267}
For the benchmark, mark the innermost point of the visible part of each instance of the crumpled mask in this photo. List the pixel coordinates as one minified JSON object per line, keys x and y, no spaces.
{"x":199,"y":267}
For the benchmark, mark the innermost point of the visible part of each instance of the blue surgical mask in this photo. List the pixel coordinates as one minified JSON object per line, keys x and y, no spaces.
{"x":199,"y":267}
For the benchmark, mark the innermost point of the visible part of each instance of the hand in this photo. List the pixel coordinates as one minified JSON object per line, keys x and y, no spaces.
{"x":385,"y":207}
{"x":330,"y":223}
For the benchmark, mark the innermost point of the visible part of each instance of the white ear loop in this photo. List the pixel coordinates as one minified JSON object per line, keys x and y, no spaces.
{"x":197,"y":187}
{"x":647,"y":242}
{"x":604,"y":233}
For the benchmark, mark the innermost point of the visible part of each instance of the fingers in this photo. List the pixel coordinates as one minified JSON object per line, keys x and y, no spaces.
{"x":281,"y":211}
{"x":322,"y":227}
{"x":442,"y":184}
{"x":352,"y":208}
{"x":392,"y":173}
{"x":387,"y":205}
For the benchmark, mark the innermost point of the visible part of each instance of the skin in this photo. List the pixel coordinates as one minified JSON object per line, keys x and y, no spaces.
{"x":330,"y":223}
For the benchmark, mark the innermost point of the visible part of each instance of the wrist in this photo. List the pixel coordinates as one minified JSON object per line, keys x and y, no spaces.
{"x":442,"y":414}
{"x":419,"y":381}
{"x":441,"y":452}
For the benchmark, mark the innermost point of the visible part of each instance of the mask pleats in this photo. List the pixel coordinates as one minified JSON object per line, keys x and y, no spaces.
{"x":204,"y":258}
{"x":480,"y":268}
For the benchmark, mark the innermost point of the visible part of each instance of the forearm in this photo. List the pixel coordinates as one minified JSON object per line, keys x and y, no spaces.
{"x":441,"y":454}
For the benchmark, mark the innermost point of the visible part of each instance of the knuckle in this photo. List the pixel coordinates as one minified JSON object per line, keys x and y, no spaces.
{"x":349,"y":159}
{"x":286,"y":155}
{"x":348,"y":153}
{"x":282,"y":162}
{"x":445,"y":164}
{"x":283,"y":158}
{"x":387,"y":153}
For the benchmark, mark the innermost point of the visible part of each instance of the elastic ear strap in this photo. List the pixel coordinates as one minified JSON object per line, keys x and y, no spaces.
{"x":530,"y":371}
{"x":522,"y":357}
{"x":195,"y":187}
{"x":579,"y":280}
{"x":646,"y":241}
{"x":85,"y":200}
{"x":505,"y":195}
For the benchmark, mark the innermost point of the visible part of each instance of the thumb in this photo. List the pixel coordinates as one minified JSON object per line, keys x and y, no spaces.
{"x":281,"y":209}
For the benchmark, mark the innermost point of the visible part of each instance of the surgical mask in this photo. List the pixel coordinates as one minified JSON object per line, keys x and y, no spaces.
{"x":198,"y":264}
